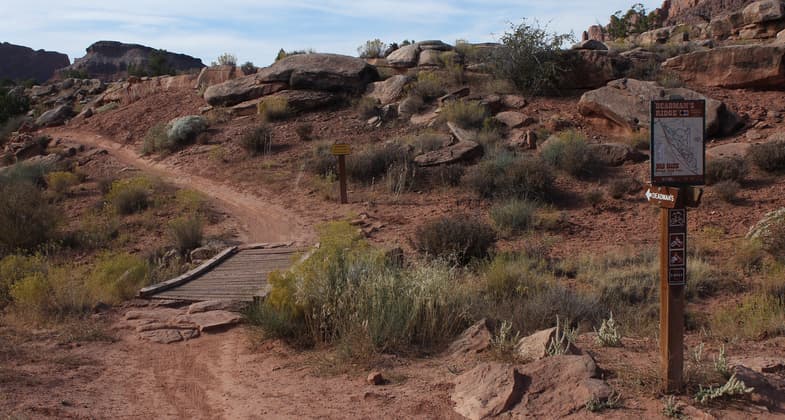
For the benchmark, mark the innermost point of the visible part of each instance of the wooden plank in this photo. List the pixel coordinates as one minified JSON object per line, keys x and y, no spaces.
{"x":147,"y":291}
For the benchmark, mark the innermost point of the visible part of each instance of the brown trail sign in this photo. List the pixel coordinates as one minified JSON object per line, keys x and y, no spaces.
{"x":677,"y":161}
{"x":341,"y":150}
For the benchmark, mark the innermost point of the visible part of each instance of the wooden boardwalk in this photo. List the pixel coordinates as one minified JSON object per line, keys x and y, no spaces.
{"x":237,"y":273}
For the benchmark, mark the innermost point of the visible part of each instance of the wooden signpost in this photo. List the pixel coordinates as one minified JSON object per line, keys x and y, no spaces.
{"x":677,"y":162}
{"x":341,"y":150}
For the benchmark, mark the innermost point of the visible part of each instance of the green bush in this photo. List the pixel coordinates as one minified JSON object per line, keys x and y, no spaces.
{"x":466,"y":114}
{"x":321,"y":162}
{"x":373,"y":162}
{"x":633,"y":21}
{"x":53,"y":295}
{"x":60,"y":182}
{"x":429,"y":85}
{"x":274,"y":108}
{"x":117,"y":277}
{"x":27,"y":220}
{"x":372,"y":49}
{"x":725,"y":169}
{"x":769,"y":156}
{"x":515,"y":215}
{"x":186,"y":233}
{"x":345,"y":293}
{"x":259,"y":140}
{"x":227,"y":59}
{"x":12,"y":104}
{"x":184,"y":130}
{"x":507,"y":176}
{"x":130,"y":195}
{"x":14,"y":268}
{"x":155,"y":140}
{"x":460,"y":237}
{"x":248,"y":68}
{"x":530,"y":57}
{"x":620,"y":187}
{"x":571,"y":153}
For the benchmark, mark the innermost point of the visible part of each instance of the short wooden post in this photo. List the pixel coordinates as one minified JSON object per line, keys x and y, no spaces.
{"x":342,"y":176}
{"x":673,"y":276}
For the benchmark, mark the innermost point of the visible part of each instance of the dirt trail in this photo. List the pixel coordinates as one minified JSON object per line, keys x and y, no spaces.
{"x":261,"y":220}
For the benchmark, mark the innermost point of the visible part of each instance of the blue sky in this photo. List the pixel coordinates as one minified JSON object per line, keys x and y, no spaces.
{"x":256,"y":30}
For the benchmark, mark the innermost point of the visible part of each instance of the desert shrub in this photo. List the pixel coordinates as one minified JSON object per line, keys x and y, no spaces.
{"x":429,"y":85}
{"x":466,"y":114}
{"x":96,"y":230}
{"x":571,"y":153}
{"x":186,"y":233}
{"x":9,"y":126}
{"x":53,"y":295}
{"x":511,"y":275}
{"x":529,"y":57}
{"x":449,"y":175}
{"x":453,"y":67}
{"x":640,"y":140}
{"x":184,"y":130}
{"x":12,"y":104}
{"x":634,"y":21}
{"x":426,"y":142}
{"x":403,"y":177}
{"x":594,"y":197}
{"x":515,"y":215}
{"x":14,"y":268}
{"x":506,"y":176}
{"x":670,"y":80}
{"x":304,"y":131}
{"x":459,"y":236}
{"x":24,"y":172}
{"x":769,"y":156}
{"x":757,"y":316}
{"x":727,"y":190}
{"x":190,"y":201}
{"x":367,"y":107}
{"x":155,"y":139}
{"x":346,"y":294}
{"x":258,"y":141}
{"x":620,"y":187}
{"x":248,"y":68}
{"x":130,"y":195}
{"x":274,"y":108}
{"x":371,"y":163}
{"x":372,"y":49}
{"x":322,"y":162}
{"x":117,"y":277}
{"x":227,"y":59}
{"x":27,"y":220}
{"x":60,"y":182}
{"x":725,"y":169}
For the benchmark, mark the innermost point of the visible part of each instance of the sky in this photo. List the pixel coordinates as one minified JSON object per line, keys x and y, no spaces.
{"x":254,"y":30}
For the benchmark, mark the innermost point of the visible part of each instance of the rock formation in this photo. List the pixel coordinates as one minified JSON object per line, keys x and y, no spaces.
{"x":22,"y":63}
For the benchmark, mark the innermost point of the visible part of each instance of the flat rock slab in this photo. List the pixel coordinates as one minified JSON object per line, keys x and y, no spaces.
{"x":474,"y":340}
{"x":168,"y":336}
{"x":215,"y":305}
{"x":458,"y":152}
{"x":156,"y":314}
{"x":214,"y":320}
{"x":488,"y":390}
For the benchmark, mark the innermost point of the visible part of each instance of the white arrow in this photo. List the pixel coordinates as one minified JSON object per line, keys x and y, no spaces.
{"x":648,"y":194}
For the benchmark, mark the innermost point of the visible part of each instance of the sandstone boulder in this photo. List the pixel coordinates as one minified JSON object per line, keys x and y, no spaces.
{"x":308,"y":100}
{"x":217,"y":74}
{"x":514,"y":119}
{"x":434,"y":44}
{"x":406,"y":56}
{"x":625,"y":103}
{"x":388,"y":91}
{"x":616,"y":154}
{"x":476,"y":339}
{"x":430,"y":58}
{"x":213,"y":321}
{"x":215,"y":305}
{"x":56,"y":116}
{"x":781,"y":37}
{"x":591,"y":44}
{"x":535,"y":346}
{"x":735,"y":67}
{"x":458,"y":152}
{"x":553,"y":387}
{"x":763,"y":11}
{"x":590,"y":69}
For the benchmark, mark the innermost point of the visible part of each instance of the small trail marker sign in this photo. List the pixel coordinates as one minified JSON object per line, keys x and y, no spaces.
{"x":664,"y":196}
{"x":677,"y":142}
{"x":342,"y":150}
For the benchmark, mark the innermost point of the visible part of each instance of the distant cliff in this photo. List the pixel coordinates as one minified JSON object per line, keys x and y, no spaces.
{"x":110,"y":60}
{"x":23,"y":63}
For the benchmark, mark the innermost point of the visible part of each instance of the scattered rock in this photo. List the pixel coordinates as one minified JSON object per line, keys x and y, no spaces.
{"x":388,"y":91}
{"x":728,"y":150}
{"x":213,"y":321}
{"x":762,"y":364}
{"x":476,"y":339}
{"x":454,"y":95}
{"x":764,"y":392}
{"x":168,"y":336}
{"x":488,"y":390}
{"x":525,"y":139}
{"x":56,"y":116}
{"x":215,"y":305}
{"x":375,"y":378}
{"x":514,"y":119}
{"x":535,"y":346}
{"x":406,"y":56}
{"x":513,"y":101}
{"x":616,"y":154}
{"x":458,"y":152}
{"x":241,"y":90}
{"x":462,"y":134}
{"x":735,"y":67}
{"x":430,"y":58}
{"x":626,"y":102}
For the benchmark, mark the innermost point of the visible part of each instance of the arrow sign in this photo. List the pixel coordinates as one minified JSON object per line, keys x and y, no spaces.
{"x":664,"y":196}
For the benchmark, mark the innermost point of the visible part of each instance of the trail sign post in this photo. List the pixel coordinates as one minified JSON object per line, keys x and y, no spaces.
{"x":677,"y":162}
{"x":342,"y":150}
